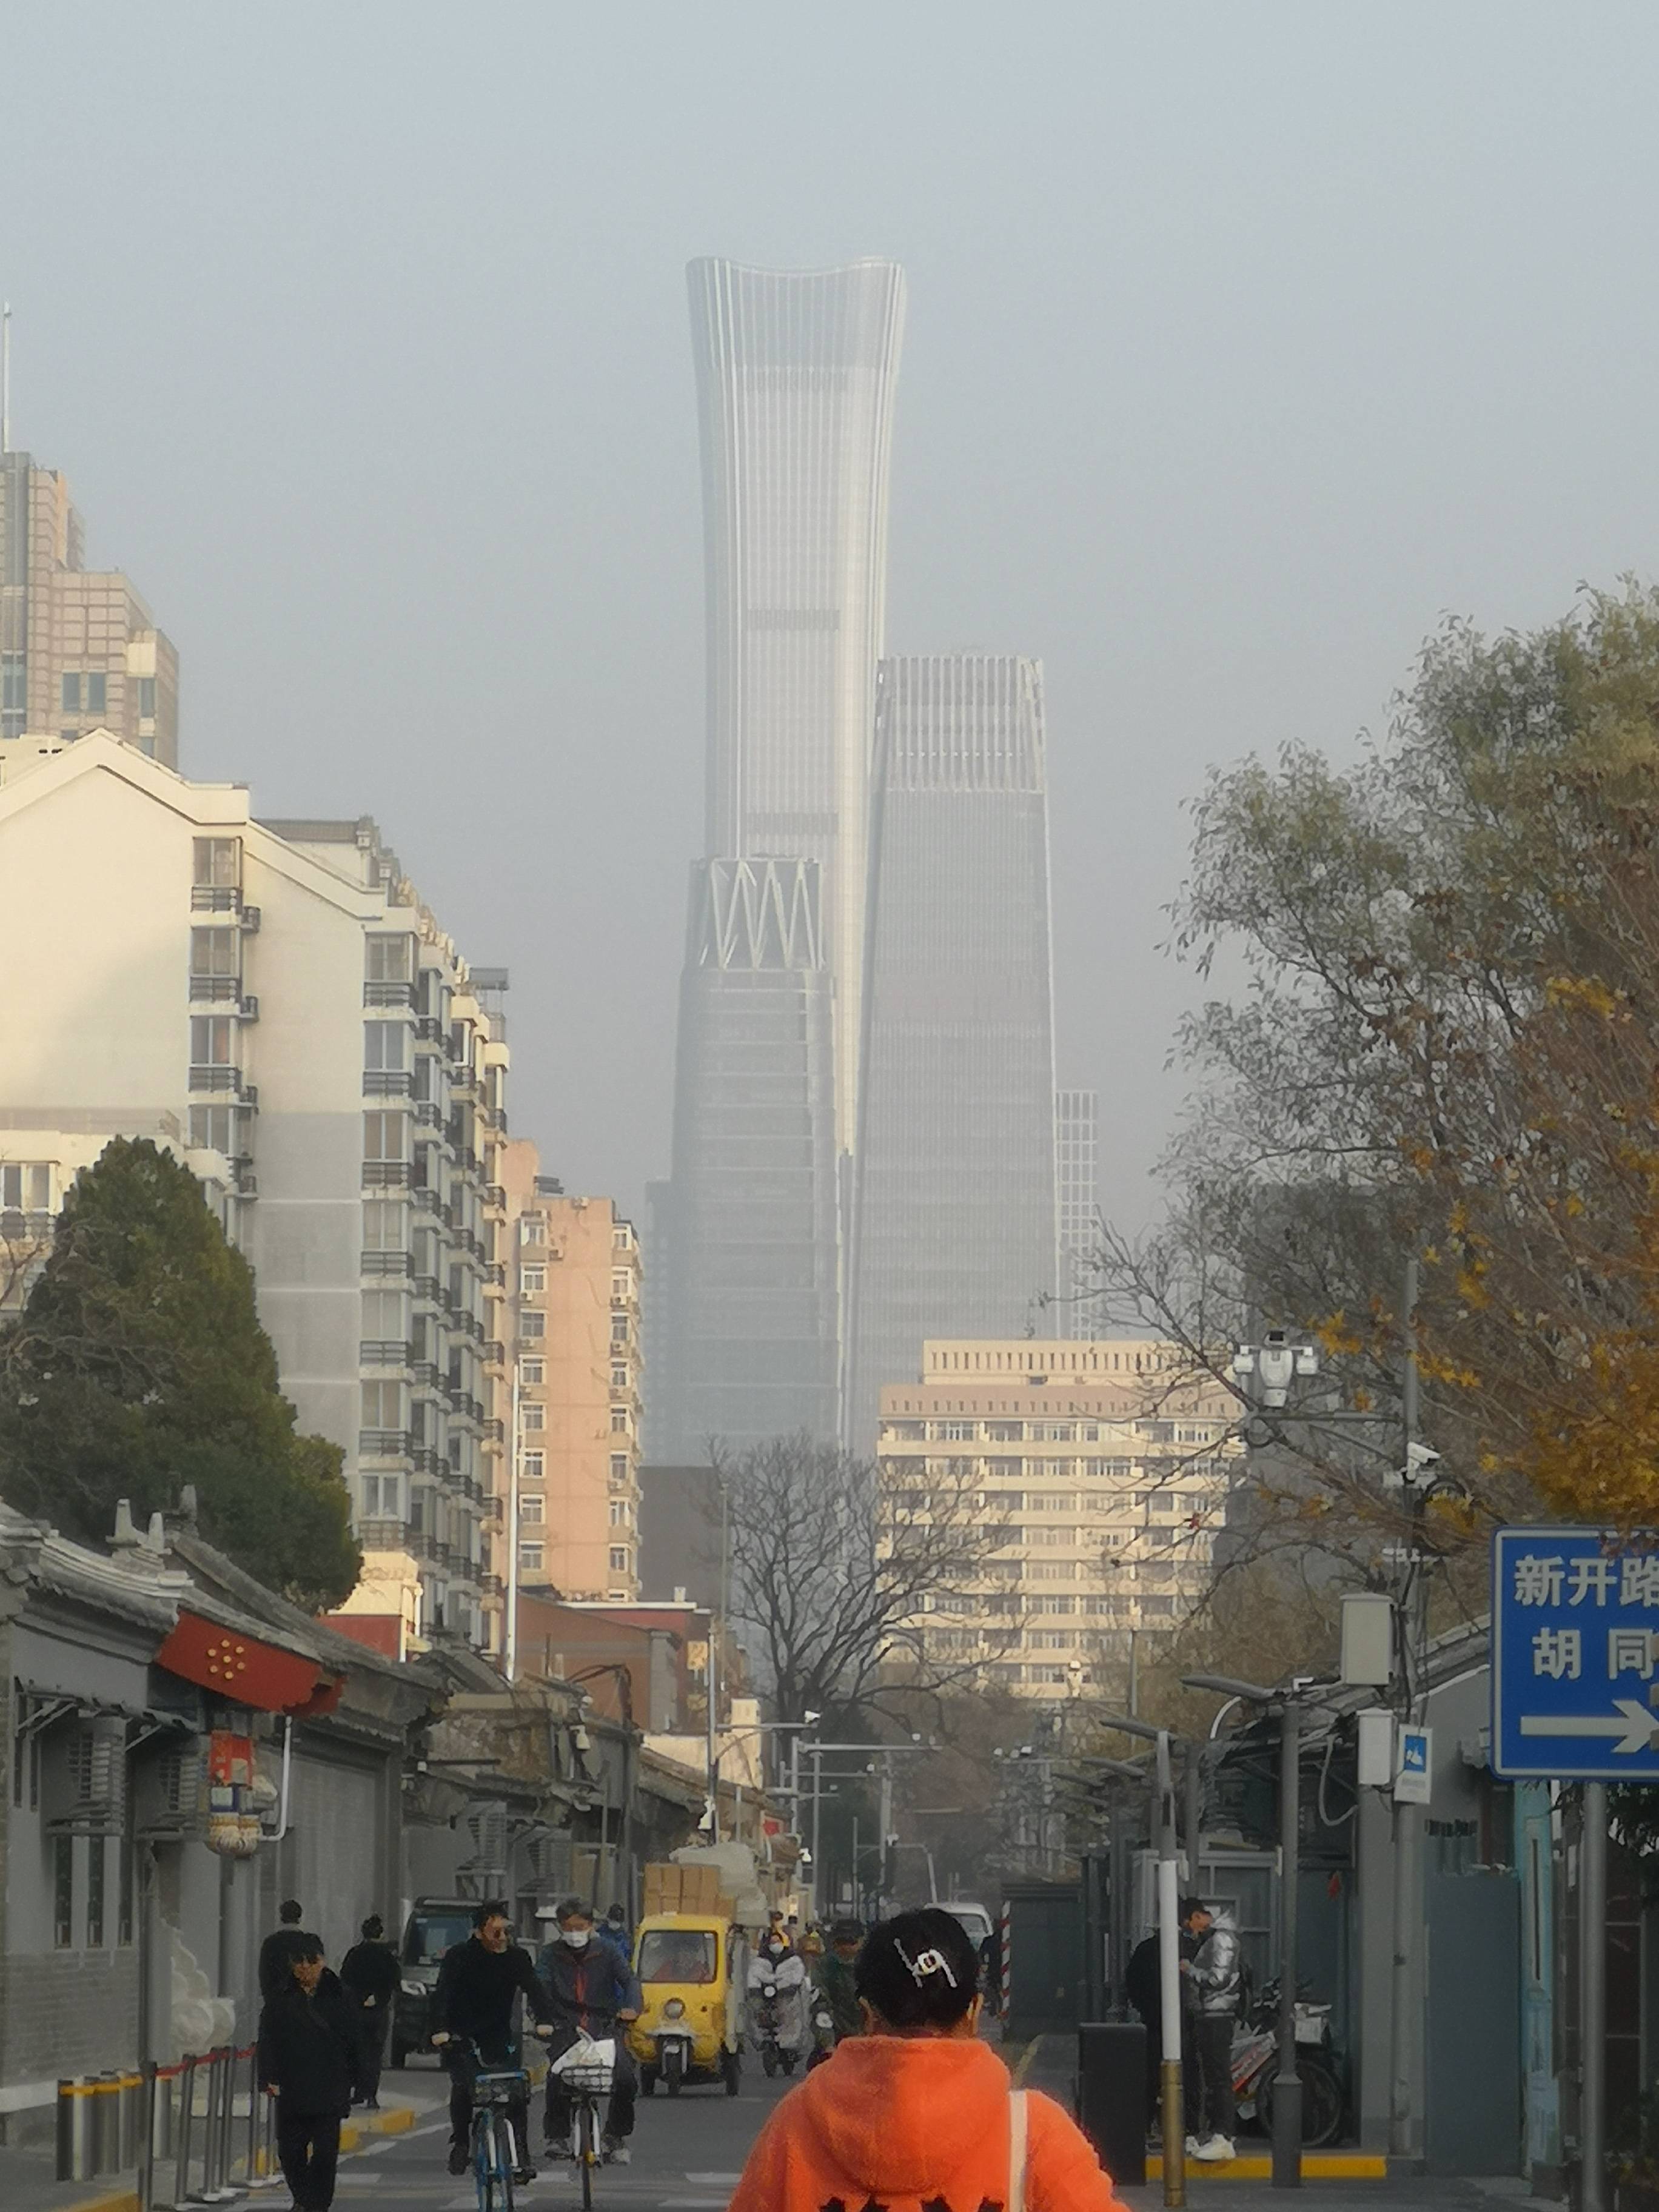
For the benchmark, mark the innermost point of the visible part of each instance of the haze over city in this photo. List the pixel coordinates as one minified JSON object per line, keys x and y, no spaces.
{"x":1240,"y":348}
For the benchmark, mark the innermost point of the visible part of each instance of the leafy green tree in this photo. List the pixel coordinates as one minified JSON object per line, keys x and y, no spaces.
{"x":138,"y":1364}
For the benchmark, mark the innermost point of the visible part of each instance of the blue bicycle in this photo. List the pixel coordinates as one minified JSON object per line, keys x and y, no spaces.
{"x":497,"y":2153}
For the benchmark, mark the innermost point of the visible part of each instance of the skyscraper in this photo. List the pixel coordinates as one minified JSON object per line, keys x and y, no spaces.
{"x":796,"y":373}
{"x":79,"y":650}
{"x":1081,"y":1313}
{"x":953,"y":1219}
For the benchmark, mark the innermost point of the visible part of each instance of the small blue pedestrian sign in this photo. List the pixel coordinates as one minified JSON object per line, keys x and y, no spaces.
{"x":1411,"y":1779}
{"x":1575,"y":1655}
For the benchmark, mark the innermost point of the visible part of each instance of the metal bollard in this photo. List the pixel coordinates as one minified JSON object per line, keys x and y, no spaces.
{"x":227,"y":2121}
{"x":148,"y":2086}
{"x":210,"y":2130}
{"x":129,"y":2114}
{"x":106,"y":2122}
{"x":251,"y":2170}
{"x":186,"y":2128}
{"x":74,"y":2132}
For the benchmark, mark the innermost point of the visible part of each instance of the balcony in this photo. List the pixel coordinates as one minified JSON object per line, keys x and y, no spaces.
{"x":494,"y":1351}
{"x":495,"y":1274}
{"x":383,"y":1444}
{"x":212,"y":1078}
{"x":382,"y":1352}
{"x":386,"y":1174}
{"x":428,"y":1115}
{"x":387,"y":1083}
{"x":381,"y":1533}
{"x":495,"y":1198}
{"x":428,"y":1290}
{"x":493,"y":1586}
{"x":428,"y":1462}
{"x":380,"y":993}
{"x":386,"y":1263}
{"x":425,"y":1374}
{"x":216,"y":898}
{"x":213,"y":990}
{"x":495,"y":1432}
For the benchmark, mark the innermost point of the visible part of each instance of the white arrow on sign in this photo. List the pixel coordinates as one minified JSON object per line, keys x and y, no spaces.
{"x":1637,"y":1730}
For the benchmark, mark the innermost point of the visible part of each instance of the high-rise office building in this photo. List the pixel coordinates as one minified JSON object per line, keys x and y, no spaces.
{"x":78,"y":648}
{"x":1080,"y":1309}
{"x":796,"y":374}
{"x":954,"y":1223}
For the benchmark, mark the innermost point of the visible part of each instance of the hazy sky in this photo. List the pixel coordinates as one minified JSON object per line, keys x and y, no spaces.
{"x":1244,"y":342}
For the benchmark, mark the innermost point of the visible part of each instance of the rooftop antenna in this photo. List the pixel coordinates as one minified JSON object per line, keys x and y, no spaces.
{"x":5,"y":377}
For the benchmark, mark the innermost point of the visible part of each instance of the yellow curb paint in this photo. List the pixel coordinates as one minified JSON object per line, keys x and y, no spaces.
{"x":1317,"y":2165}
{"x":121,"y":2200}
{"x":396,"y":2120}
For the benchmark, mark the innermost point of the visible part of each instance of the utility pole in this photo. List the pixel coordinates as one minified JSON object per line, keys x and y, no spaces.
{"x":1404,"y":2129}
{"x":1287,"y":2083}
{"x":1168,"y":1976}
{"x":1593,"y":1998}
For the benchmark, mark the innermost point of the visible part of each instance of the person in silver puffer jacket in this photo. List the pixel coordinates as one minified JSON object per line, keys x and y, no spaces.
{"x":1215,"y":1980}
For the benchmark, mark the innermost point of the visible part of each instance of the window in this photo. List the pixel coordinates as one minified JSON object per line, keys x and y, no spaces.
{"x":529,"y":1558}
{"x":619,"y":1378}
{"x":532,"y":1506}
{"x":386,"y":1136}
{"x":619,"y":1329}
{"x":621,"y":1284}
{"x":383,"y":1404}
{"x":62,"y":1890}
{"x":619,"y":1240}
{"x":532,"y":1229}
{"x":217,"y":862}
{"x":386,"y":1317}
{"x":533,"y":1322}
{"x":533,"y":1373}
{"x":384,"y":1043}
{"x":619,"y":1559}
{"x":619,"y":1466}
{"x":534,"y":1418}
{"x":147,"y":698}
{"x":213,"y":952}
{"x":619,"y":1513}
{"x":127,"y":1879}
{"x":70,"y":698}
{"x":13,"y":687}
{"x":532,"y":1467}
{"x":97,"y":696}
{"x":383,"y":1497}
{"x":384,"y":1225}
{"x":25,"y":1187}
{"x":532,"y":1281}
{"x":957,"y":1432}
{"x":390,"y":959}
{"x":95,"y":1856}
{"x":210,"y":1038}
{"x":619,"y":1421}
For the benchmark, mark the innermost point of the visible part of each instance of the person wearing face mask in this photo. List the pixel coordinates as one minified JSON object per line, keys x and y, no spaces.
{"x":592,"y":1991}
{"x":310,"y":2060}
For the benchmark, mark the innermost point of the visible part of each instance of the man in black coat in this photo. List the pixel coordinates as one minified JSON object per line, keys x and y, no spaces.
{"x":368,"y":1974}
{"x":307,"y":2060}
{"x":478,"y":1986}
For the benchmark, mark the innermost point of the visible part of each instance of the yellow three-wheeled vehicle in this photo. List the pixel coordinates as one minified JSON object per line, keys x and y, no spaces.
{"x":692,"y":1970}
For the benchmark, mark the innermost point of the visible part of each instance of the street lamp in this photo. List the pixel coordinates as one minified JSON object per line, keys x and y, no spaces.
{"x":1287,"y":2083}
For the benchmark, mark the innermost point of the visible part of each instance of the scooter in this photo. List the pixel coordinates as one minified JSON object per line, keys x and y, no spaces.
{"x":1255,"y":2051}
{"x":775,"y":2025}
{"x":672,"y":2039}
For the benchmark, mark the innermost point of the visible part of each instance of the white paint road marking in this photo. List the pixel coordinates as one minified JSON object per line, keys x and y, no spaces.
{"x":1634,"y":1724}
{"x":713,"y":2180}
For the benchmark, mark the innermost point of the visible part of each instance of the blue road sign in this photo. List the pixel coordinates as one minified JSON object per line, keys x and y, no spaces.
{"x":1575,"y":1655}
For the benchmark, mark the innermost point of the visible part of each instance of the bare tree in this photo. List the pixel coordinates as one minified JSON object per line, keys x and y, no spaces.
{"x":836,"y":1576}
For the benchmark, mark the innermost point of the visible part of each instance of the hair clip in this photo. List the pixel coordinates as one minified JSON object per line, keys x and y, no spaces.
{"x":926,"y":1963}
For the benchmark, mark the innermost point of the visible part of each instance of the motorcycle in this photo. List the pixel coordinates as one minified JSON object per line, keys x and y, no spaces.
{"x":775,"y":2024}
{"x":1255,"y":2063}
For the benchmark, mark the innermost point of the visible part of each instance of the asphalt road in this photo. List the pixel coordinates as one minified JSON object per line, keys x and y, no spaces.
{"x":687,"y":2152}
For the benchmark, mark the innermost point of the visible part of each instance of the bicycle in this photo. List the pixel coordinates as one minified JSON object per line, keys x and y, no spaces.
{"x":587,"y":2070}
{"x":496,"y":2152}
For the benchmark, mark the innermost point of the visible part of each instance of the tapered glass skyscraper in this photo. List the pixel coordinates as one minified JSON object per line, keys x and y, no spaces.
{"x":954,"y":1214}
{"x":796,"y":373}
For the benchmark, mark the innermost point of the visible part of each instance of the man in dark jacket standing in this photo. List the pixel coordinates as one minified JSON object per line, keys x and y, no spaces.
{"x":307,"y":2060}
{"x":593,"y":1993}
{"x":478,"y":1984}
{"x":368,"y":1974}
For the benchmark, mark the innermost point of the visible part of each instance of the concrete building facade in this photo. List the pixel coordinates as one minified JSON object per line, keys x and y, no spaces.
{"x":1106,"y":1473}
{"x":576,"y":1321}
{"x":79,"y":649}
{"x":276,"y":1005}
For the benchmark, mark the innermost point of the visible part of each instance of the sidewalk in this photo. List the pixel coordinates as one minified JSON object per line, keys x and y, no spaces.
{"x":27,"y":2182}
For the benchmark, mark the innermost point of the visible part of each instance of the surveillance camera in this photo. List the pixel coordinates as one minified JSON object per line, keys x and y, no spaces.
{"x":1422,"y":1456}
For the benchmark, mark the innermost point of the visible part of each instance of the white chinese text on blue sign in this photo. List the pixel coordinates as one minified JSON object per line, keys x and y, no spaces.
{"x":1575,"y":1655}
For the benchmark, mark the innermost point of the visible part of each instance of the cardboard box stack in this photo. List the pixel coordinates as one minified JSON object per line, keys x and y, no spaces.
{"x":686,"y":1889}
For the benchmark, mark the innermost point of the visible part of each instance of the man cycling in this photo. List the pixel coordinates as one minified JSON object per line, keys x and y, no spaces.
{"x":479,"y":1984}
{"x":593,"y":1992}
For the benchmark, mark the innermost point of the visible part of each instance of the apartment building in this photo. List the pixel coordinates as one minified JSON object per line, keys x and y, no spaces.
{"x":1104,"y":1470}
{"x":275,"y":1003}
{"x":577,"y":1371}
{"x":79,"y":649}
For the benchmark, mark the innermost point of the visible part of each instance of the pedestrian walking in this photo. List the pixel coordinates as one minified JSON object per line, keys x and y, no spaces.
{"x":917,"y":2108}
{"x":369,"y":1976}
{"x":1214,"y":1975}
{"x":308,"y":2061}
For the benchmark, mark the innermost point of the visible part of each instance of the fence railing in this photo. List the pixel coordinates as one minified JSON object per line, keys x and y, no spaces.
{"x":184,"y":2117}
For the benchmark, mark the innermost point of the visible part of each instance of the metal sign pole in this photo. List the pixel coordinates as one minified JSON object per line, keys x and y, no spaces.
{"x":1287,"y":2084}
{"x":1593,"y":1998}
{"x":1169,"y":1974}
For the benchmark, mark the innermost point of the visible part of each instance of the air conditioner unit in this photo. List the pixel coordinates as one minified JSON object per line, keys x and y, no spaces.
{"x":169,"y":1794}
{"x":248,"y":1187}
{"x":251,"y":1008}
{"x":83,"y":1777}
{"x":251,"y":920}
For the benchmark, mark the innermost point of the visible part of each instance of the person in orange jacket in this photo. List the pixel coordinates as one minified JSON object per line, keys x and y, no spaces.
{"x":916,"y":2114}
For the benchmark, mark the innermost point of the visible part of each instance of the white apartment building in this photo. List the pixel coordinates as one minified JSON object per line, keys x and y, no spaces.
{"x":274,"y":1003}
{"x":1106,"y":1470}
